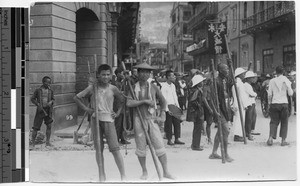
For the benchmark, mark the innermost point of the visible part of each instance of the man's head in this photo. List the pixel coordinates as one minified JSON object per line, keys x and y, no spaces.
{"x":119,"y":73}
{"x":144,"y":74}
{"x":104,"y":73}
{"x":134,"y":72}
{"x":279,"y":70}
{"x":170,"y":76}
{"x":223,"y":69}
{"x":240,"y":72}
{"x":46,"y":81}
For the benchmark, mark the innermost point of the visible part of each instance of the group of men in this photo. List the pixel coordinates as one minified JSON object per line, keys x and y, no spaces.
{"x":153,"y":103}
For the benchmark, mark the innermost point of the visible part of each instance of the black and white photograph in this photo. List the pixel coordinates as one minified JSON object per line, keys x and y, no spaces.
{"x":162,"y":92}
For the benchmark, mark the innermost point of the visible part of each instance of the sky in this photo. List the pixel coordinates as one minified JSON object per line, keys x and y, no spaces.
{"x":155,"y":20}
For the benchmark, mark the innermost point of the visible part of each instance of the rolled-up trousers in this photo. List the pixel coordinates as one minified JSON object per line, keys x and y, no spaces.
{"x":279,"y":113}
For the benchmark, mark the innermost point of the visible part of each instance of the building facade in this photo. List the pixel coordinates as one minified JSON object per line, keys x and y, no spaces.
{"x":200,"y":49}
{"x":179,"y":38}
{"x":64,"y":38}
{"x":272,"y":26}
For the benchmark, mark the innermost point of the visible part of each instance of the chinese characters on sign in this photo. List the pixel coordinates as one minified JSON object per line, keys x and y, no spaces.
{"x":216,"y":35}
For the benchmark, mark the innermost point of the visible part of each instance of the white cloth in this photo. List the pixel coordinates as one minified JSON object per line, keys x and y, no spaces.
{"x":251,"y":95}
{"x":169,"y":93}
{"x":244,"y":103}
{"x":279,"y":87}
{"x":182,"y":86}
{"x":137,"y":89}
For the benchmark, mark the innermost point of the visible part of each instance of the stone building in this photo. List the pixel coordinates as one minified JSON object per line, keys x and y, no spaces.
{"x":64,"y":37}
{"x":261,"y":33}
{"x":179,"y":38}
{"x":272,"y":26}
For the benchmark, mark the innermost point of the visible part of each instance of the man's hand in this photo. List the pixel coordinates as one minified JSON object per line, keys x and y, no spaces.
{"x":114,"y":115}
{"x":39,"y":107}
{"x":149,"y":102}
{"x":89,"y":111}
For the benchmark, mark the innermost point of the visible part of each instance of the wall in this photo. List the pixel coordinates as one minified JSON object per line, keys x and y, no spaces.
{"x":53,"y":53}
{"x":280,"y":37}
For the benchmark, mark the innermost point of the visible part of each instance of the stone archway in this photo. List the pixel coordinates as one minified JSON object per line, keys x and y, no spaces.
{"x":87,"y":44}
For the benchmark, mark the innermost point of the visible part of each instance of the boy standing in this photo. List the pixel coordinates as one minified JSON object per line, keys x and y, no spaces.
{"x":106,"y":96}
{"x":43,"y":98}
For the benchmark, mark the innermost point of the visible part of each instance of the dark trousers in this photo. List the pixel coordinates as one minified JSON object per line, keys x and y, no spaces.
{"x":119,"y":126}
{"x":182,"y":102}
{"x":279,"y":113}
{"x":197,"y":133}
{"x":171,"y":122}
{"x":294,"y":101}
{"x":250,"y":119}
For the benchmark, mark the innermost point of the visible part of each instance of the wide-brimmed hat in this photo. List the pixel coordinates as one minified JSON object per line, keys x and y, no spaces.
{"x":239,"y":71}
{"x":194,"y":71}
{"x":144,"y":66}
{"x":292,"y":73}
{"x":197,"y":79}
{"x":250,"y":74}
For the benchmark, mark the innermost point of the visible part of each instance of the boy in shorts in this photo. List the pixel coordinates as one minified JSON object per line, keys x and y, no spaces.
{"x":106,"y":97}
{"x":43,"y":98}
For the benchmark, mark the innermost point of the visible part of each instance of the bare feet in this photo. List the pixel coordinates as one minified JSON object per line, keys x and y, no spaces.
{"x":270,"y":141}
{"x":214,"y":156}
{"x":144,"y":176}
{"x":169,"y":176}
{"x":228,"y":159}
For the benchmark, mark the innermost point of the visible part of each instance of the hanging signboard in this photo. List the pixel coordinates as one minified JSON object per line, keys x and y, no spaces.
{"x":216,"y":37}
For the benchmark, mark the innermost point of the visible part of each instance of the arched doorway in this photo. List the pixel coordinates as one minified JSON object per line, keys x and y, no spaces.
{"x":87,"y":44}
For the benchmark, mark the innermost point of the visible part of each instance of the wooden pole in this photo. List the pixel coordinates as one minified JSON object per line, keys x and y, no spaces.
{"x":218,"y":110}
{"x":154,"y":157}
{"x":236,"y":91}
{"x":98,"y":143}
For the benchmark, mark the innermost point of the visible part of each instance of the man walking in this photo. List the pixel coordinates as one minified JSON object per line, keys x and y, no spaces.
{"x":279,"y":87}
{"x":168,"y":90}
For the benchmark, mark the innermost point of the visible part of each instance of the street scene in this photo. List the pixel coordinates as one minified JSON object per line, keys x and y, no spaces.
{"x":157,"y":92}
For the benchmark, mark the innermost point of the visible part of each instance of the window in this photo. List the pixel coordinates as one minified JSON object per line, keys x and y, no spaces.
{"x":289,"y":57}
{"x":268,"y":61}
{"x":245,"y":10}
{"x":234,"y":17}
{"x":185,"y":30}
{"x":186,"y":15}
{"x":174,"y":18}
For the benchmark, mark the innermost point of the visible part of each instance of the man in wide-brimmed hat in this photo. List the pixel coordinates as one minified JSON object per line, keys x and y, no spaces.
{"x":250,"y":118}
{"x":239,"y":75}
{"x":147,"y":94}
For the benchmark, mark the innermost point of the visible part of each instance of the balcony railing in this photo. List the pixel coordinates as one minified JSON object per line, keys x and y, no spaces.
{"x":209,"y":10}
{"x":279,"y":9}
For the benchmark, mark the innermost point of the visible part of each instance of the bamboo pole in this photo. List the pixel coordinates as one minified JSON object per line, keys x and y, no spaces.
{"x":154,"y":157}
{"x":236,"y":91}
{"x":98,"y":142}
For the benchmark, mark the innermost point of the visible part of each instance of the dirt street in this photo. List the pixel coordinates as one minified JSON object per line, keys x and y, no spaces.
{"x":254,"y":161}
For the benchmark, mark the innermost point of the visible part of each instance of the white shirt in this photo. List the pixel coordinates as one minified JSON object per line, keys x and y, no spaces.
{"x":279,"y":87}
{"x":251,"y":95}
{"x":242,"y":94}
{"x":169,"y":93}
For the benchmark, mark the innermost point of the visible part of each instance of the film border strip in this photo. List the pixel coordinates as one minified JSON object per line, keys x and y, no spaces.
{"x":14,"y":55}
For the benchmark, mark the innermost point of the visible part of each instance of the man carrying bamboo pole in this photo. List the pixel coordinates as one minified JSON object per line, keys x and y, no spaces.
{"x":106,"y":115}
{"x":223,"y":88}
{"x":147,"y":94}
